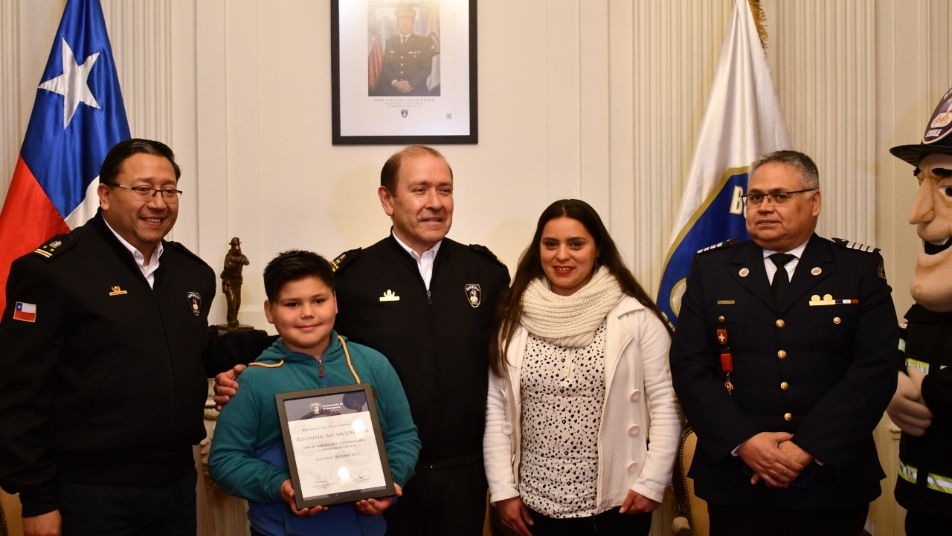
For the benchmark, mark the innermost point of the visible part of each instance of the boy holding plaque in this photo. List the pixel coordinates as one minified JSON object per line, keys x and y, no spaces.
{"x":248,"y":456}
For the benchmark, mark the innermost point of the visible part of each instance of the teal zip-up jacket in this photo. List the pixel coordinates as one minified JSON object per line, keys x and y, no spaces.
{"x":248,"y":456}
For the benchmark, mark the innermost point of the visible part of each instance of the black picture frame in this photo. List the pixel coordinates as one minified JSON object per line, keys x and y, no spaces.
{"x":367,"y":109}
{"x":330,"y":442}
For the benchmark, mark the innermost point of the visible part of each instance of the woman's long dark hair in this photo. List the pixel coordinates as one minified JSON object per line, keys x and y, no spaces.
{"x":509,"y":308}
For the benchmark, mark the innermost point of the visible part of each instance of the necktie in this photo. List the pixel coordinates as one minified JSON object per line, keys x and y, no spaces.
{"x":403,"y":40}
{"x":780,"y":279}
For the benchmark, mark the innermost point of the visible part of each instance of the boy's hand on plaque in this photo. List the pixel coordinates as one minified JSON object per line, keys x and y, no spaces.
{"x":372,"y":507}
{"x":287,"y":493}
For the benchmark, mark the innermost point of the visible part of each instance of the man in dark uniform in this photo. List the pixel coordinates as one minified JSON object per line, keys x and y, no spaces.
{"x":426,"y":302}
{"x":407,"y":59}
{"x":922,"y":405}
{"x":90,"y":447}
{"x":784,"y":365}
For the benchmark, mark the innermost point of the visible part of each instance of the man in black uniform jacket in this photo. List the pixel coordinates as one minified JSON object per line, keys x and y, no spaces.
{"x":91,"y":448}
{"x":785,"y":384}
{"x":426,"y":302}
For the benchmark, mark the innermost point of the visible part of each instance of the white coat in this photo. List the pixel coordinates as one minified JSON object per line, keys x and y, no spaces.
{"x":639,"y":405}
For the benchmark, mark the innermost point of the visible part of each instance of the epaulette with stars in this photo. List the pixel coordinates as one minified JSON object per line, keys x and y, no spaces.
{"x":344,"y":258}
{"x":719,"y":245}
{"x":846,"y":244}
{"x":485,"y":252}
{"x":56,"y":246}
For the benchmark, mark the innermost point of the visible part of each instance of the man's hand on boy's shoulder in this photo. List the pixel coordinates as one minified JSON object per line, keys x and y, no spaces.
{"x":287,"y":493}
{"x":372,"y":507}
{"x":240,"y":347}
{"x":226,"y":385}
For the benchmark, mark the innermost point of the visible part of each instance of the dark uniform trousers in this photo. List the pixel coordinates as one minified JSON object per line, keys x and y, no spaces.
{"x":759,"y":520}
{"x":437,"y":340}
{"x":821,"y":367}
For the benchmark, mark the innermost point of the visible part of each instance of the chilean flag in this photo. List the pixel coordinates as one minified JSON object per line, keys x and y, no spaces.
{"x":78,"y":115}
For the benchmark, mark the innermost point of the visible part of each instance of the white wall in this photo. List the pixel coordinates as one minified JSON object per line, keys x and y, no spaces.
{"x":598,"y":99}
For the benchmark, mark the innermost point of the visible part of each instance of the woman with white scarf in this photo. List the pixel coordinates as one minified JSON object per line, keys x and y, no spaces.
{"x":579,"y":386}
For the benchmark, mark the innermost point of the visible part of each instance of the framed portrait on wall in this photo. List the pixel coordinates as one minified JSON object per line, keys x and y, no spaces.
{"x":403,"y":72}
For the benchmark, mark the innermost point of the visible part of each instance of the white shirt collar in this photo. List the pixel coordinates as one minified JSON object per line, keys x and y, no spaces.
{"x":428,"y":253}
{"x":425,"y":261}
{"x":148,"y":270}
{"x":791,"y":266}
{"x":796,"y":252}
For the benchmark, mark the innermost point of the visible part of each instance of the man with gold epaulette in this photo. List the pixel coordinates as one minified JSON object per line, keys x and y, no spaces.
{"x":922,"y":405}
{"x":783,"y":364}
{"x":105,"y":350}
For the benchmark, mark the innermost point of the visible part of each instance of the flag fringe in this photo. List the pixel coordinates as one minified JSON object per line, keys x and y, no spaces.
{"x":760,"y":21}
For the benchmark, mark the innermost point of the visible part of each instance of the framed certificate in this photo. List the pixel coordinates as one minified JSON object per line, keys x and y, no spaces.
{"x":335,"y":448}
{"x":403,"y":72}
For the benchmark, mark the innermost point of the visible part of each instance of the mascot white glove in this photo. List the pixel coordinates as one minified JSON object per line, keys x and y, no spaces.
{"x":906,"y":409}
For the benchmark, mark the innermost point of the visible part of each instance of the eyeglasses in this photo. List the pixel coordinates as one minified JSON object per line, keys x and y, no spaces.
{"x":144,"y":193}
{"x":776,"y":199}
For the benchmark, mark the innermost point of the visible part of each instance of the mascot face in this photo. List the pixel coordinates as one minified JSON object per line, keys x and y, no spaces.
{"x":932,"y":216}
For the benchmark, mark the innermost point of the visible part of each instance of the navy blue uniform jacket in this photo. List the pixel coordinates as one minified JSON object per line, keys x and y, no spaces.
{"x":823,"y":373}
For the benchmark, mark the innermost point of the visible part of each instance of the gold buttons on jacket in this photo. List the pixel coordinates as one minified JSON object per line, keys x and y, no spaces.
{"x":782,"y":354}
{"x":721,"y":318}
{"x":784,"y":386}
{"x":780,"y":323}
{"x":788,"y":417}
{"x":836,"y":320}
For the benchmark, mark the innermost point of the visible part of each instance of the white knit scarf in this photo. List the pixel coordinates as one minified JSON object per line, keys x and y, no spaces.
{"x":569,"y":321}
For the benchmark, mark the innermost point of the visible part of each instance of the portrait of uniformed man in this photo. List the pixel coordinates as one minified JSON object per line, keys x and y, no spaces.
{"x":407,"y":57}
